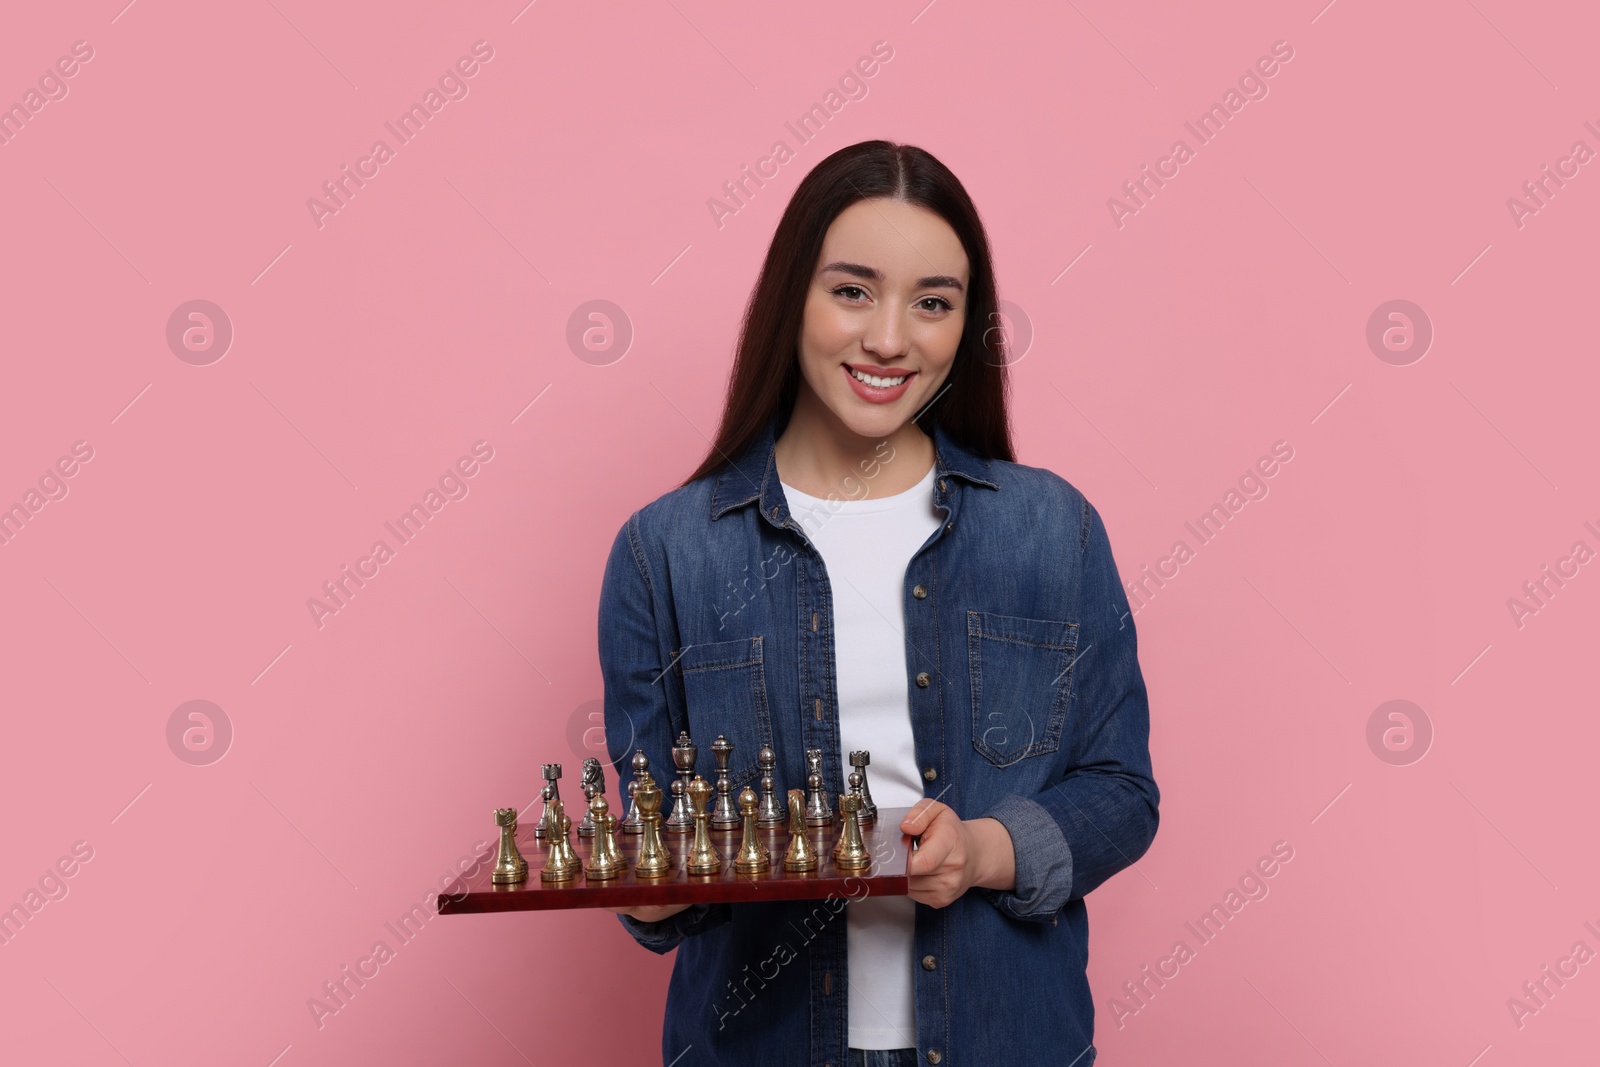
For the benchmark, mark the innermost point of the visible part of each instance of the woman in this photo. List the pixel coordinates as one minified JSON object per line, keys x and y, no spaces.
{"x":860,"y":563}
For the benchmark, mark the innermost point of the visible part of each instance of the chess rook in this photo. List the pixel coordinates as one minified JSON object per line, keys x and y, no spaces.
{"x":851,"y":854}
{"x":509,"y":866}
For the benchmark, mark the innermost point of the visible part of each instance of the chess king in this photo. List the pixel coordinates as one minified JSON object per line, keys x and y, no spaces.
{"x":861,"y":566}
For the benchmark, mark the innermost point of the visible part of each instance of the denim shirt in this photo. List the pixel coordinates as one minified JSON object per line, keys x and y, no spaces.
{"x":1027,"y":706}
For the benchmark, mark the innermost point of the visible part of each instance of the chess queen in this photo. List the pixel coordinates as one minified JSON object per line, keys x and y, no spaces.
{"x":862,"y":563}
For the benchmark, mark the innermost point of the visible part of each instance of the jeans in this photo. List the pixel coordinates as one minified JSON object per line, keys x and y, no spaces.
{"x":883,"y":1057}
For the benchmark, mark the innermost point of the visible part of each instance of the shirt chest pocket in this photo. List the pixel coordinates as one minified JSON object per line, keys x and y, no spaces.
{"x":1021,"y":684}
{"x":725,"y":689}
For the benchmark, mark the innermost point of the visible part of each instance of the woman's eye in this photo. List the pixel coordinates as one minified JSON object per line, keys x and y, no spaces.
{"x":851,"y":292}
{"x":940,"y":301}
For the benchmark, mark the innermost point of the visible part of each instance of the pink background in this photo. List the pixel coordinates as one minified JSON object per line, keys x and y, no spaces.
{"x":1229,"y":313}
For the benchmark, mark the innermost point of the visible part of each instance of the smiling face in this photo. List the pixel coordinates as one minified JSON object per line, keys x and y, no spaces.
{"x":883,"y":316}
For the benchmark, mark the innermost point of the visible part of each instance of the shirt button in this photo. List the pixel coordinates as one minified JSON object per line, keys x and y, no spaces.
{"x":929,"y":773}
{"x":922,"y":679}
{"x":933,"y":1056}
{"x":918,"y":592}
{"x":929,"y":963}
{"x":941,"y":489}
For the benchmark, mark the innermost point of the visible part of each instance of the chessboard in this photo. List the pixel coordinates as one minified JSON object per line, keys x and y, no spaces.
{"x":886,"y":846}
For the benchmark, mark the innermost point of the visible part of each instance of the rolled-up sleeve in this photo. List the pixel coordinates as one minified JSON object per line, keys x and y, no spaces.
{"x":1102,"y":815}
{"x":663,"y":935}
{"x":638,"y":715}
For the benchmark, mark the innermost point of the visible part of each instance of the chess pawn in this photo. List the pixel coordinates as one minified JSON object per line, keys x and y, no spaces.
{"x":851,"y":854}
{"x":509,"y":866}
{"x":632,"y":824}
{"x":561,"y":863}
{"x":680,"y":799}
{"x":681,"y":820}
{"x":654,"y":859}
{"x":801,"y":856}
{"x":859,"y":760}
{"x":605,"y":861}
{"x":752,"y":858}
{"x":770,"y":813}
{"x":818,"y":811}
{"x":544,"y":811}
{"x":856,"y":781}
{"x":725,"y":817}
{"x":593,"y":784}
{"x":703,"y":858}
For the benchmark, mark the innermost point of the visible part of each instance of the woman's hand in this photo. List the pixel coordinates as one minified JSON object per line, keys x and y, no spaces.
{"x":649,"y":913}
{"x":955,"y":854}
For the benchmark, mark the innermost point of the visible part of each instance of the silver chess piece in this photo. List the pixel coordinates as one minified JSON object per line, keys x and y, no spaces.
{"x":724,"y":816}
{"x":770,"y":813}
{"x":818,"y":811}
{"x":593,"y":784}
{"x":631,"y":822}
{"x":859,"y":760}
{"x":681,"y":820}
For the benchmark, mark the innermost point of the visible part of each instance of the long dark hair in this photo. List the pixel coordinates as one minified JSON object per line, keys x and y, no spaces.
{"x":766,"y":369}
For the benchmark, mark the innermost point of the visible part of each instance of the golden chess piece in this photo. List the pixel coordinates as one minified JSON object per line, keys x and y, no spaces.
{"x":654,"y":859}
{"x":605,"y":861}
{"x":801,"y":856}
{"x":703,"y":859}
{"x":509,"y":866}
{"x":851,"y":854}
{"x":752,"y":858}
{"x":561,"y":863}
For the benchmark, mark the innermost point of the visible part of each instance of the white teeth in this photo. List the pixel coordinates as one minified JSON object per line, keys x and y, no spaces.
{"x":875,"y":382}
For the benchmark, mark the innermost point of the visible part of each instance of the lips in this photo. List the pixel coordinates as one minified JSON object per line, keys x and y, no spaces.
{"x":879,"y":372}
{"x":874,"y":394}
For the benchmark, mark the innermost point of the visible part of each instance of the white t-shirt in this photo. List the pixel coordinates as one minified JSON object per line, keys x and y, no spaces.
{"x":865,"y":546}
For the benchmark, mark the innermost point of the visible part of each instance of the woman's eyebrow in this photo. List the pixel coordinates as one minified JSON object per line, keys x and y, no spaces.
{"x":932,"y":281}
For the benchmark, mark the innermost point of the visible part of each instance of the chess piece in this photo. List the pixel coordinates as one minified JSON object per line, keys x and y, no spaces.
{"x":770,"y":813}
{"x":681,"y":821}
{"x":801,"y":856}
{"x":818,"y":811}
{"x":851,"y":854}
{"x":632,"y":824}
{"x":654,"y":859}
{"x":852,"y":783}
{"x":605,"y":861}
{"x":561,"y":863}
{"x":552,"y":773}
{"x":703,"y":859}
{"x":593,"y":783}
{"x":509,"y":866}
{"x":859,"y":760}
{"x":725,"y":816}
{"x":544,"y":812}
{"x":752,"y":858}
